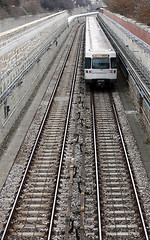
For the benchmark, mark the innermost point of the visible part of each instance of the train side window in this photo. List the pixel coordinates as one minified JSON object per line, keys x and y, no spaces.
{"x":87,"y":63}
{"x":113,"y":63}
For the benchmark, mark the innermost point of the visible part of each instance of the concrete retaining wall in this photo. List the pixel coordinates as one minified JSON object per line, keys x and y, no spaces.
{"x":140,"y":30}
{"x":121,"y":26}
{"x":23,"y":47}
{"x":141,"y":53}
{"x":17,"y":57}
{"x":9,"y":23}
{"x":20,"y":94}
{"x":140,"y":104}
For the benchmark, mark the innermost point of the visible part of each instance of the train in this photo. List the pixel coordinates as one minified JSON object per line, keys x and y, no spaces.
{"x":100,"y":57}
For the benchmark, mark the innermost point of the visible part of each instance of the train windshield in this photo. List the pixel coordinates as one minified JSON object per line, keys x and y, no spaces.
{"x":87,"y":63}
{"x":113,"y":63}
{"x":100,"y":63}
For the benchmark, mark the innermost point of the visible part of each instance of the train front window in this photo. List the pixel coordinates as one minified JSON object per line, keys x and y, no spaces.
{"x":87,"y":63}
{"x":113,"y":63}
{"x":100,"y":63}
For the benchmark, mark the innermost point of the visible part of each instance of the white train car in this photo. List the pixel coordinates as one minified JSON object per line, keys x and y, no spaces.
{"x":100,"y":57}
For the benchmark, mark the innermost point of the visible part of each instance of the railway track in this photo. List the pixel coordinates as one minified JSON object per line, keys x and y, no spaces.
{"x":132,"y":67}
{"x":102,"y":202}
{"x":33,"y":209}
{"x":94,"y":195}
{"x":119,"y":212}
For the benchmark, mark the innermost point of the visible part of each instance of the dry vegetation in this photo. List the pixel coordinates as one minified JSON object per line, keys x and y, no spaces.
{"x":15,"y":8}
{"x":135,"y":9}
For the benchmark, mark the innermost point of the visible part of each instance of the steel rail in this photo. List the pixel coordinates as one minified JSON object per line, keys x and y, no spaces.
{"x":35,"y":143}
{"x":96,"y":169}
{"x":64,"y":139}
{"x":130,"y":172}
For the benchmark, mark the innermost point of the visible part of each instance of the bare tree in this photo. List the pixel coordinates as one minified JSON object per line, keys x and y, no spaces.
{"x":136,"y":9}
{"x":57,"y":4}
{"x":7,"y":3}
{"x":83,"y":3}
{"x":49,"y":4}
{"x":123,"y":7}
{"x":142,"y":11}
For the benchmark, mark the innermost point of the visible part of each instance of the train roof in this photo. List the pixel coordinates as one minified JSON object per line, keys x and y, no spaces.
{"x":96,"y":40}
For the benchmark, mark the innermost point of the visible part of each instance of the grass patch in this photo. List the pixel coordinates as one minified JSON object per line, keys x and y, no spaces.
{"x":147,"y":141}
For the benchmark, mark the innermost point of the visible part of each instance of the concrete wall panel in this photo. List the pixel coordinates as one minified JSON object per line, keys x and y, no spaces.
{"x":139,"y":49}
{"x":16,"y":100}
{"x":131,"y":26}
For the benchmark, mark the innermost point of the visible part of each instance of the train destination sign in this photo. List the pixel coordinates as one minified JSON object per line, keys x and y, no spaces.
{"x":100,"y":55}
